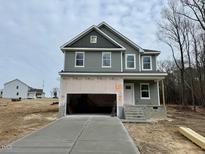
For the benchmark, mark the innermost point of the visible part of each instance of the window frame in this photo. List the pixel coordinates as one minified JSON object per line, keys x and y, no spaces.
{"x":110,"y":59}
{"x":145,"y":69}
{"x":126,"y":67}
{"x":141,"y":84}
{"x":80,"y":59}
{"x":91,"y":39}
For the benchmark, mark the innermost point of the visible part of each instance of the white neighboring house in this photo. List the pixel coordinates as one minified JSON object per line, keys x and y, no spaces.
{"x":18,"y":89}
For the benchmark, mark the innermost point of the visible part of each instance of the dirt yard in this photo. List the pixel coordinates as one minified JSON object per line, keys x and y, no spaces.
{"x":162,"y":137}
{"x":20,"y":118}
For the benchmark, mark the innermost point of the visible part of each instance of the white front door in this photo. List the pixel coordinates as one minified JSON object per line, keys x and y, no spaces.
{"x":129,"y":93}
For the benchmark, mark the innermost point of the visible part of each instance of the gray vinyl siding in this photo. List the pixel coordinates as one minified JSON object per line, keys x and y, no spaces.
{"x":102,"y":42}
{"x":129,"y":49}
{"x":93,"y":62}
{"x":154,"y":62}
{"x":153,"y":92}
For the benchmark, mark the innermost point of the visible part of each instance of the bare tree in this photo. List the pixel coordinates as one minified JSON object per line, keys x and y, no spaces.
{"x":171,"y":30}
{"x":188,"y":26}
{"x":197,"y":8}
{"x":171,"y":81}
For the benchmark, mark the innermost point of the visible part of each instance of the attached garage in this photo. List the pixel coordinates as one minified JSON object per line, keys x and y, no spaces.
{"x":91,"y":104}
{"x":91,"y":95}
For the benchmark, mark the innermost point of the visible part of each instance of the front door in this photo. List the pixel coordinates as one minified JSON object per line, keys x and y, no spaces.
{"x":129,"y":93}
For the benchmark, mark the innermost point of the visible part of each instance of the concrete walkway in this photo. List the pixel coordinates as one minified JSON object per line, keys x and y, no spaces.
{"x":77,"y":135}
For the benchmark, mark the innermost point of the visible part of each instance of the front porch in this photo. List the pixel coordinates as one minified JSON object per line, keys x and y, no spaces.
{"x":143,"y":99}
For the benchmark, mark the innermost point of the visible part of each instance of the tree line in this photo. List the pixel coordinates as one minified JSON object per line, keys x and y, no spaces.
{"x":182,"y":29}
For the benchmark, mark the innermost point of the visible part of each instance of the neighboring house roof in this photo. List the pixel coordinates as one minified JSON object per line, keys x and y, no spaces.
{"x":30,"y":88}
{"x":36,"y":90}
{"x":69,"y":43}
{"x":17,"y":80}
{"x":121,"y":36}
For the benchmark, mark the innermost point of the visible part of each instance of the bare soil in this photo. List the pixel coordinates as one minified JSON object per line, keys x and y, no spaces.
{"x":20,"y":118}
{"x":163,"y":137}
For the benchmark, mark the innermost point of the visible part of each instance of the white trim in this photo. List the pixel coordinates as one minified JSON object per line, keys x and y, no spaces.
{"x":156,"y":62}
{"x":117,"y":74}
{"x":87,"y":31}
{"x":151,"y":53}
{"x":134,"y":61}
{"x":77,"y":36}
{"x":110,"y":60}
{"x":83,"y":58}
{"x":133,"y":92}
{"x":94,"y":49}
{"x":139,"y":62}
{"x":121,"y":60}
{"x":141,"y":90}
{"x":150,"y":63}
{"x":158,"y":93}
{"x":121,"y":35}
{"x":92,"y":40}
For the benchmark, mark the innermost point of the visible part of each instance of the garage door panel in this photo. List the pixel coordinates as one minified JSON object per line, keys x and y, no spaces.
{"x":91,"y":103}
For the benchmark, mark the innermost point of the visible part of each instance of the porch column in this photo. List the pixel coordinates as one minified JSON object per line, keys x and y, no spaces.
{"x":163,"y":97}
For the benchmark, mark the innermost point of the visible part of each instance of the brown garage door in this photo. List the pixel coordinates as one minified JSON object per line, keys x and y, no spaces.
{"x":91,"y":104}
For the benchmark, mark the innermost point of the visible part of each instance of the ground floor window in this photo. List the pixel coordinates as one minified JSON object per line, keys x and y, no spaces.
{"x":144,"y":91}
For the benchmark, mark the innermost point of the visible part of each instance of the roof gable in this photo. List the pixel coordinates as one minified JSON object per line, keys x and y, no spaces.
{"x":18,"y":81}
{"x":82,"y":40}
{"x":104,"y":24}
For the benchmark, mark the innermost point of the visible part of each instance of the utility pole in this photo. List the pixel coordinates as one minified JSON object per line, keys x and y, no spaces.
{"x":43,"y":84}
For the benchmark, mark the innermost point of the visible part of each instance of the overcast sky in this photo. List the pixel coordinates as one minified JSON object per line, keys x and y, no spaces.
{"x":31,"y":32}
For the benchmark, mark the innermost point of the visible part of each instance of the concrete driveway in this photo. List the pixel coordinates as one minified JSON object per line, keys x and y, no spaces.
{"x":77,"y":135}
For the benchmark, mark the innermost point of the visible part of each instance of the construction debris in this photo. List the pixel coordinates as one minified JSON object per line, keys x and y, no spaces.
{"x":193,"y":136}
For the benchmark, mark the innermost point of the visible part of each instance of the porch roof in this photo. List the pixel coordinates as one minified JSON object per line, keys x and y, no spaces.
{"x":137,"y":75}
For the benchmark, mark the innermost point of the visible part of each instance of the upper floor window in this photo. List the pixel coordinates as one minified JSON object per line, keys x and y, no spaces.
{"x":146,"y":63}
{"x":106,"y":59}
{"x":130,"y":61}
{"x":144,"y":91}
{"x":93,"y":39}
{"x":79,"y":59}
{"x":17,"y":87}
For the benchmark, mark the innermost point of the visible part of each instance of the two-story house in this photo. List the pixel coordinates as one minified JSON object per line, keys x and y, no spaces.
{"x":16,"y":89}
{"x":105,"y":72}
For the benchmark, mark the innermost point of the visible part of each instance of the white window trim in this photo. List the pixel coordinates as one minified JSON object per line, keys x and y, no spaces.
{"x":141,"y":90}
{"x":110,"y":59}
{"x":139,"y":62}
{"x":91,"y":39}
{"x":83,"y":59}
{"x":144,"y":69}
{"x":134,"y":61}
